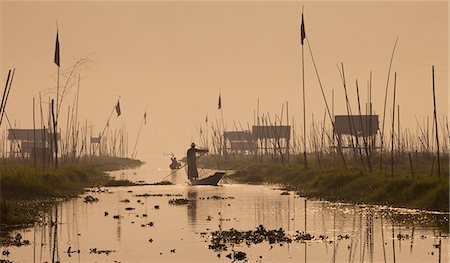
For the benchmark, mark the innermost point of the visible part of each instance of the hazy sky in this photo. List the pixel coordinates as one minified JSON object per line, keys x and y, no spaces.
{"x":175,"y":57}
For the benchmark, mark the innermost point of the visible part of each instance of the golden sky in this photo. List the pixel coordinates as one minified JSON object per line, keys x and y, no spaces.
{"x":176,"y":57}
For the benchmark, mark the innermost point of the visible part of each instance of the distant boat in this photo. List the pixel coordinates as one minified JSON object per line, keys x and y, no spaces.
{"x":175,"y":165}
{"x":210,"y":180}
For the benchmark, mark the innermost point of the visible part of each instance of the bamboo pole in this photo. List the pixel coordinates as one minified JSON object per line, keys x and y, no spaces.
{"x":393,"y":126}
{"x":326,"y":103}
{"x":384,"y":109}
{"x":55,"y":135}
{"x":436,"y":125}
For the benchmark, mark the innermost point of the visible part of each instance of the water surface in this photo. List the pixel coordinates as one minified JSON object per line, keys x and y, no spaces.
{"x":149,"y":229}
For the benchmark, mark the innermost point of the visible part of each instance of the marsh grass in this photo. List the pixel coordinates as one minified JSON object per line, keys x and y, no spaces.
{"x":25,"y":191}
{"x":332,"y":182}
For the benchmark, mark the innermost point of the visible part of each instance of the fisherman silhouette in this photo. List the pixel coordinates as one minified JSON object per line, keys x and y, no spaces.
{"x":192,"y":161}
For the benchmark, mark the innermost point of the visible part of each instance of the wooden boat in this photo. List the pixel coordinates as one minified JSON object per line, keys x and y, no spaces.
{"x":175,"y":165}
{"x":210,"y":180}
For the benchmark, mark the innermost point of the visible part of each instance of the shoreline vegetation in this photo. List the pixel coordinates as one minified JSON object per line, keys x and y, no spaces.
{"x":25,"y":191}
{"x":328,"y":180}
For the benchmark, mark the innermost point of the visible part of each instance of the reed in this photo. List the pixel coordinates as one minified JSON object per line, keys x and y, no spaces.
{"x":355,"y":185}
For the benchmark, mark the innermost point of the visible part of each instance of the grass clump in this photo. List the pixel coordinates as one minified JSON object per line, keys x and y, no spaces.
{"x":26,"y":190}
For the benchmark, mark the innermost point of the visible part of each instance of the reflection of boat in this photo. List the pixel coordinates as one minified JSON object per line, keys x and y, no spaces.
{"x":175,"y":165}
{"x":210,"y":180}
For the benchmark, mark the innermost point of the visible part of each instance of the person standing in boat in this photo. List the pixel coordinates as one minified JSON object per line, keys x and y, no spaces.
{"x":192,"y":161}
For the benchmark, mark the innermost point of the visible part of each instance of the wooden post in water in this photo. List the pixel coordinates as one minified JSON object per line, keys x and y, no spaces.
{"x":436,"y":125}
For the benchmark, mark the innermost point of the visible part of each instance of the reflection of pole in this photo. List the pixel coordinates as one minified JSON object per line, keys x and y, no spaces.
{"x":393,"y":242}
{"x":382,"y":238}
{"x":305,"y":233}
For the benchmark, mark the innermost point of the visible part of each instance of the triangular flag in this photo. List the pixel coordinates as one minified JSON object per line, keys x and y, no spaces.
{"x":118,"y":109}
{"x":302,"y":31}
{"x":56,"y":60}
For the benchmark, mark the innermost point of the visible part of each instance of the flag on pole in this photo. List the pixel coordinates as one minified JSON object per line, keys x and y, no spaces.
{"x":302,"y":31}
{"x":56,"y":60}
{"x":118,"y":109}
{"x":145,"y":117}
{"x":220,"y":102}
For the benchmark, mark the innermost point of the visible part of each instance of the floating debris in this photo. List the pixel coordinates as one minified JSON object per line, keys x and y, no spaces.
{"x":156,"y":195}
{"x":179,"y":201}
{"x":172,"y":250}
{"x":216,"y":197}
{"x":237,"y":255}
{"x":116,"y":216}
{"x":402,"y":236}
{"x":130,"y":208}
{"x":106,"y":213}
{"x":148,"y":224}
{"x":14,"y":241}
{"x":302,"y":236}
{"x":98,"y":251}
{"x":285,"y":193}
{"x":70,"y":251}
{"x":150,"y":240}
{"x":156,"y":206}
{"x":125,"y":200}
{"x":90,"y":199}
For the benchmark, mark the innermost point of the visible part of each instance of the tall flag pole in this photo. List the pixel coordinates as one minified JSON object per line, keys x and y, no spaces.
{"x":223,"y":123}
{"x":55,"y":118}
{"x":302,"y":37}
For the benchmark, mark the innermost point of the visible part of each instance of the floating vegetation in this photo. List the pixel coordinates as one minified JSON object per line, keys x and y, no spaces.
{"x":302,"y":236}
{"x":237,"y":255}
{"x":70,"y":251}
{"x":90,"y":199}
{"x":150,"y":224}
{"x":16,"y":241}
{"x":220,"y":239}
{"x":216,"y":197}
{"x":165,"y":182}
{"x":158,"y":195}
{"x":99,"y":251}
{"x":179,"y":201}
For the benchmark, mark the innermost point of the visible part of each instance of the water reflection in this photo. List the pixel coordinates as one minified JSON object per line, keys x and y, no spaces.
{"x":342,"y":232}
